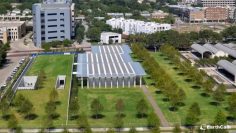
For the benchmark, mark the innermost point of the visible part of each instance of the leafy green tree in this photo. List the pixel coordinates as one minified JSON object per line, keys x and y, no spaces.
{"x":110,"y":131}
{"x":94,"y":34}
{"x":152,"y":120}
{"x":132,"y":130}
{"x":120,"y":106}
{"x":53,"y":95}
{"x":118,"y":122}
{"x":12,"y":122}
{"x":142,"y":108}
{"x":177,"y":129}
{"x":232,"y":105}
{"x":83,"y":121}
{"x":219,"y":93}
{"x":156,"y":129}
{"x":220,"y":118}
{"x":50,"y":109}
{"x":48,"y":122}
{"x":96,"y":107}
{"x":4,"y":106}
{"x":26,"y":107}
{"x":41,"y":78}
{"x":193,"y":115}
{"x":18,"y":100}
{"x":195,"y":109}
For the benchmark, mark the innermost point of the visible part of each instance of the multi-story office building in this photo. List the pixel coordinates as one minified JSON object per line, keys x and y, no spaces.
{"x":53,"y":20}
{"x":214,"y":3}
{"x":11,"y":30}
{"x":131,"y":26}
{"x":216,"y":14}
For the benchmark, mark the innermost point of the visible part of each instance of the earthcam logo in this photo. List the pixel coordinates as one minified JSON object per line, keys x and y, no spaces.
{"x":210,"y":127}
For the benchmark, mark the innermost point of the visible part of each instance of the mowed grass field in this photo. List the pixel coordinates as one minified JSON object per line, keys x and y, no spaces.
{"x":108,"y":98}
{"x":208,"y":111}
{"x":53,"y":66}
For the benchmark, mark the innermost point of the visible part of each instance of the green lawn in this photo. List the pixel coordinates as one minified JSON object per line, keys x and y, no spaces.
{"x":108,"y":98}
{"x":53,"y":65}
{"x":193,"y":95}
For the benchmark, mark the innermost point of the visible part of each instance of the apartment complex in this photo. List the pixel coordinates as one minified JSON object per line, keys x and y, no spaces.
{"x":131,"y":26}
{"x":214,"y":3}
{"x":11,"y":30}
{"x":53,"y":20}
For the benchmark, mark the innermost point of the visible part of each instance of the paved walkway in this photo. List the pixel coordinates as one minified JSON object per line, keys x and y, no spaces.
{"x":156,"y":108}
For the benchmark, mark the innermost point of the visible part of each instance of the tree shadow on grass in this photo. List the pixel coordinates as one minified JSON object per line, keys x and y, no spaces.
{"x":74,"y":117}
{"x":180,"y":104}
{"x":158,"y":91}
{"x":165,"y":99}
{"x":140,"y":116}
{"x":230,"y":118}
{"x":214,"y":103}
{"x":181,"y":73}
{"x":153,"y":83}
{"x":204,"y":94}
{"x":58,"y":102}
{"x":6,"y":117}
{"x":173,"y":108}
{"x":188,"y":80}
{"x":55,"y":116}
{"x":122,"y":115}
{"x":31,"y":116}
{"x":166,"y":58}
{"x":175,"y":68}
{"x":196,"y":87}
{"x":98,"y":116}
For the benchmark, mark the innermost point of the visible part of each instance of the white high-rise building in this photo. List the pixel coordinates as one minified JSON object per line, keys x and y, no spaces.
{"x":131,"y":26}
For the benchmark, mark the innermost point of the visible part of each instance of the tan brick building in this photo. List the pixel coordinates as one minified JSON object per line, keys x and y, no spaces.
{"x":12,"y":30}
{"x":216,"y":14}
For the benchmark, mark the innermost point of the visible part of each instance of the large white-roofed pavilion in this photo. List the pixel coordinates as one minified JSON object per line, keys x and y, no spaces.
{"x":108,"y":66}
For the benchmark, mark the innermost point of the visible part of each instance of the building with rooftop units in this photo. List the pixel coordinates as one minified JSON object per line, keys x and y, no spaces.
{"x":108,"y":66}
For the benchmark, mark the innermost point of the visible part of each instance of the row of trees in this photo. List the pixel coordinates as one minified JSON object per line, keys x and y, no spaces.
{"x":194,"y":74}
{"x":176,"y":39}
{"x":170,"y":89}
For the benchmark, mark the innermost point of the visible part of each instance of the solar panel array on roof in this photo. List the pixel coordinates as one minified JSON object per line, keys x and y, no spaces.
{"x":108,"y":61}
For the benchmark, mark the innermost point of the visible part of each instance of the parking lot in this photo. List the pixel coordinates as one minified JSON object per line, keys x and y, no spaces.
{"x":8,"y":68}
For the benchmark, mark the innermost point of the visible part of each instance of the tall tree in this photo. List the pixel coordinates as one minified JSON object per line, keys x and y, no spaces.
{"x":142,"y":108}
{"x":12,"y":122}
{"x":132,"y":130}
{"x":219,"y":93}
{"x":193,"y":115}
{"x":177,"y":129}
{"x":53,"y":95}
{"x":152,"y":120}
{"x":120,"y":107}
{"x":26,"y":108}
{"x":232,"y":105}
{"x":96,"y":107}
